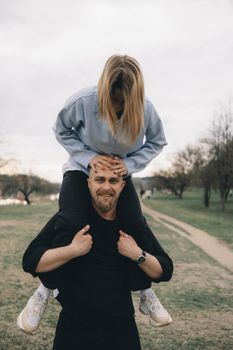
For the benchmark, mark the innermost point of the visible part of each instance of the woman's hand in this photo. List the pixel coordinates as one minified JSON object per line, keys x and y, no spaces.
{"x":119,"y":166}
{"x":101,"y":161}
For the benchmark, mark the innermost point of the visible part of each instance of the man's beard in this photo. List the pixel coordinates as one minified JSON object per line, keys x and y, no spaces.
{"x":101,"y":205}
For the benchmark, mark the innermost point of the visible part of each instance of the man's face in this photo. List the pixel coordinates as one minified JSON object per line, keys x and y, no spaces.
{"x":105,"y":188}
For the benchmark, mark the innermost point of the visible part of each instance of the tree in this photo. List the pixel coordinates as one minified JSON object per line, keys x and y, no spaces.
{"x":167,"y":180}
{"x":220,"y":143}
{"x":203,"y":173}
{"x":207,"y":176}
{"x":8,"y":185}
{"x":182,"y":169}
{"x":26,"y":184}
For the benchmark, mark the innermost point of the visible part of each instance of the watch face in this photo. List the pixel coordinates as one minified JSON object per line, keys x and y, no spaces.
{"x":140,"y":259}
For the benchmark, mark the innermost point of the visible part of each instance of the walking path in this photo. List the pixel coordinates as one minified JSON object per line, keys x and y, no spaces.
{"x":211,"y":245}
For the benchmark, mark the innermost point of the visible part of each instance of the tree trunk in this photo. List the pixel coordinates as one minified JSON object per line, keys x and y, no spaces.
{"x":27,"y":199}
{"x":207,"y":194}
{"x":26,"y":196}
{"x":223,"y":199}
{"x":227,"y":192}
{"x":181,"y":191}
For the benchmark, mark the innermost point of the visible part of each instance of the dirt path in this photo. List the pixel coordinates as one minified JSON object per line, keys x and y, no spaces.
{"x":211,"y":245}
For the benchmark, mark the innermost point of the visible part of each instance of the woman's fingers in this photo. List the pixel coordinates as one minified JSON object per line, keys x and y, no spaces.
{"x":105,"y":162}
{"x":116,"y":167}
{"x":99,"y":165}
{"x":120,"y":172}
{"x":114,"y":163}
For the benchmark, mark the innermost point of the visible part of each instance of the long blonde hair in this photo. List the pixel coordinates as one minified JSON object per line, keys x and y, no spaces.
{"x":124,"y":73}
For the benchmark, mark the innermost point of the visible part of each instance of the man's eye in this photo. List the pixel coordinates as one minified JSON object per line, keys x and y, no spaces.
{"x":114,"y":181}
{"x":100,"y":180}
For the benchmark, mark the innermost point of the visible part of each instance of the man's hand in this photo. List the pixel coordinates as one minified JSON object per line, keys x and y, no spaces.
{"x":101,"y":161}
{"x":81,"y":243}
{"x":56,"y":257}
{"x":119,"y":166}
{"x":127,"y":246}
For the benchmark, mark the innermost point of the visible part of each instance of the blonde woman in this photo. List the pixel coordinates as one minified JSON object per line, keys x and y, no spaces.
{"x":110,"y":125}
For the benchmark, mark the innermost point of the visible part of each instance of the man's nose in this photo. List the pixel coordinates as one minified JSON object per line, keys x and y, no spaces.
{"x":106,"y":185}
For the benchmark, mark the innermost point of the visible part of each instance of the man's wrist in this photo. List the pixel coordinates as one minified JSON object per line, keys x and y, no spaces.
{"x":136,"y":254}
{"x":71,"y":251}
{"x":141,"y":258}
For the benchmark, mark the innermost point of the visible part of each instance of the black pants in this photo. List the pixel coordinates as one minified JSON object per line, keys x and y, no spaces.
{"x":121,"y":334}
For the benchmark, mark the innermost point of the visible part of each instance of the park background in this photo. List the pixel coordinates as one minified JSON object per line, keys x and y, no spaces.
{"x":51,"y":49}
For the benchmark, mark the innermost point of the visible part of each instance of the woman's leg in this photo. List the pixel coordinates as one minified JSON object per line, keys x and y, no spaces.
{"x":130,"y":213}
{"x":74,"y":206}
{"x":128,"y":208}
{"x":133,"y":222}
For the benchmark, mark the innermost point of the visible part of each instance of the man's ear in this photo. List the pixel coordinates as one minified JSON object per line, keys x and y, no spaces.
{"x":88,"y":182}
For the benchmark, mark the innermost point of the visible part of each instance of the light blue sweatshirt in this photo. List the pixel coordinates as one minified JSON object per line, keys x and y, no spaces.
{"x":83,"y":134}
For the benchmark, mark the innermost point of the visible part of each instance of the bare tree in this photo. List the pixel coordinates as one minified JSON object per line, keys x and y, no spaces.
{"x":167,"y":181}
{"x":182,"y":168}
{"x":220,"y":144}
{"x":203,"y":171}
{"x":27,"y":185}
{"x":207,"y":175}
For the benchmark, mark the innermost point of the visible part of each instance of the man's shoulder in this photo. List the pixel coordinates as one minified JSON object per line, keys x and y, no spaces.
{"x":83,"y":94}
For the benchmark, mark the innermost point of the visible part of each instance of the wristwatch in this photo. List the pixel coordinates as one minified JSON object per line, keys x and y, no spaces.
{"x":141,"y":258}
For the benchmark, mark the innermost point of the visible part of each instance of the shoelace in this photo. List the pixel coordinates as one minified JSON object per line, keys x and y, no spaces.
{"x":155,"y":304}
{"x":39,"y":303}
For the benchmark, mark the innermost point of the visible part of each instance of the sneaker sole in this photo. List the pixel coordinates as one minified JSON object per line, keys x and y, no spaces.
{"x":160,"y":324}
{"x":21,"y":327}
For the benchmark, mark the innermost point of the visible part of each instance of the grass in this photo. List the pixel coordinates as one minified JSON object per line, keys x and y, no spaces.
{"x":199,"y":297}
{"x":191,"y":210}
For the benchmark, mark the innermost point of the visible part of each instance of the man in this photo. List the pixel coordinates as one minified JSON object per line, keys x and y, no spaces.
{"x":92,"y":273}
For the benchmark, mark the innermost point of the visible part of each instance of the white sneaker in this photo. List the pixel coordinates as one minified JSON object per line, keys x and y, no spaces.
{"x":150,"y":305}
{"x":30,"y":317}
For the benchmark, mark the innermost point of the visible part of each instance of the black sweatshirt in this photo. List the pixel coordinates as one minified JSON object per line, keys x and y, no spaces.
{"x":101,"y":281}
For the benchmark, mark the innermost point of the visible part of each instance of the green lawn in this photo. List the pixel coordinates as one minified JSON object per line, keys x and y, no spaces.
{"x":199,"y":296}
{"x":191,"y":210}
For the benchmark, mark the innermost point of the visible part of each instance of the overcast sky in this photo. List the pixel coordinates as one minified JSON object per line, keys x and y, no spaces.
{"x":52,"y":48}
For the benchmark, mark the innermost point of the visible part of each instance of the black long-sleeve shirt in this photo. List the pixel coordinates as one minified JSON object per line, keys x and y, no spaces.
{"x":101,"y":281}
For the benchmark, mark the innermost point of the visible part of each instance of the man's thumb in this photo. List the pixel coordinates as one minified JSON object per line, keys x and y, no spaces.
{"x":122,"y":233}
{"x":84,"y":230}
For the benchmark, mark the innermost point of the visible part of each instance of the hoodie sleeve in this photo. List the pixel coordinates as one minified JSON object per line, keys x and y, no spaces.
{"x":154,"y":142}
{"x":66,"y":132}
